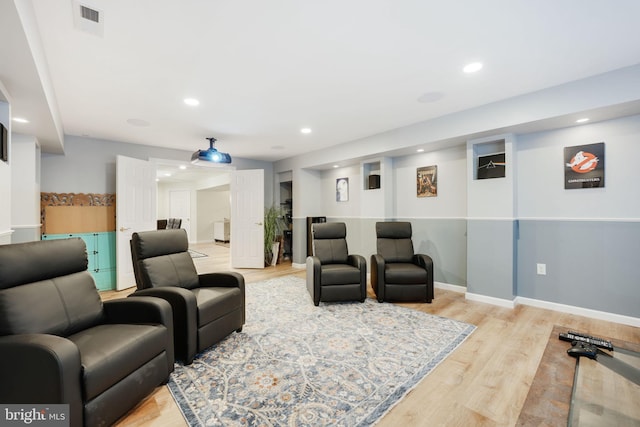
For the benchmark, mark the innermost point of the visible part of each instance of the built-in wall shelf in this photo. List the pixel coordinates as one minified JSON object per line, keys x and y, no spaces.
{"x":371,"y":175}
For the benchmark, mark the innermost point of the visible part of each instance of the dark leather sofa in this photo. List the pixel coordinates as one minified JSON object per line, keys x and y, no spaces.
{"x":206,"y":307}
{"x":397,"y":273}
{"x":60,"y":344}
{"x":332,"y":273}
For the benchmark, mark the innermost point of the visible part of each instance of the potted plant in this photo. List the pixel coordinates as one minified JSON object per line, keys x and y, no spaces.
{"x":273,"y":226}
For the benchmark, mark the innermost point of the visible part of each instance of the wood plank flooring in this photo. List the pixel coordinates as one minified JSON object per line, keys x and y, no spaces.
{"x":483,"y":383}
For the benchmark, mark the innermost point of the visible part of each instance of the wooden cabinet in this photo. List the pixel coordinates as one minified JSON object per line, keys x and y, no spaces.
{"x":101,"y":253}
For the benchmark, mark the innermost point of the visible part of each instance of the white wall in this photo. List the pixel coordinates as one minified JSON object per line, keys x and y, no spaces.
{"x":214,"y":205}
{"x":330,"y":206}
{"x":541,"y":172}
{"x":5,"y":172}
{"x":451,"y":201}
{"x":25,"y":188}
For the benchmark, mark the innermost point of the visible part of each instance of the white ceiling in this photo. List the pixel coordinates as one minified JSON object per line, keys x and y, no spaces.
{"x":264,"y":69}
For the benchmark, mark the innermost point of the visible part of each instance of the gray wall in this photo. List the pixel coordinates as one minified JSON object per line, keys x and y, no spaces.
{"x":89,"y":165}
{"x":590,"y":264}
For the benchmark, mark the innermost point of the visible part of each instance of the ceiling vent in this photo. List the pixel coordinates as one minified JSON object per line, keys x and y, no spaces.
{"x":90,"y":14}
{"x":88,"y":18}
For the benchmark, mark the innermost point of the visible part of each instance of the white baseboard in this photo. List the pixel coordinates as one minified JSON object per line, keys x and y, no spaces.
{"x":579,"y":311}
{"x":449,"y":287}
{"x":490,"y":300}
{"x":300,"y":266}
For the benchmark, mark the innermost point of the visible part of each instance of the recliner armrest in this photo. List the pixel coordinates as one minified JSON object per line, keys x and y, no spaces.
{"x":139,"y":310}
{"x":229,"y":279}
{"x":40,"y":368}
{"x":377,"y":275}
{"x":143,"y":310}
{"x":357,"y":261}
{"x":185,"y":313}
{"x":314,"y":269}
{"x":423,"y":261}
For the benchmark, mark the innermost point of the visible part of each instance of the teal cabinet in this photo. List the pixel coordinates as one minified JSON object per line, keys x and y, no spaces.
{"x":101,"y":253}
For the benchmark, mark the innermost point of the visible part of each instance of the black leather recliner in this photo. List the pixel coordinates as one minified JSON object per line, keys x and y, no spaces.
{"x":397,"y":274}
{"x":60,"y":344}
{"x":206,"y":307}
{"x":332,"y":273}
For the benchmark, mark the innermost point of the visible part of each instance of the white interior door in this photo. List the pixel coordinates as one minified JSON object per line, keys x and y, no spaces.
{"x":135,"y":211}
{"x":180,"y":207}
{"x":247,"y":216}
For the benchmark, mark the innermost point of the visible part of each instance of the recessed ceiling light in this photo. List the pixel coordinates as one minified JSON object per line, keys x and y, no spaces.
{"x":167,"y":174}
{"x":305,"y":130}
{"x":191,"y":101}
{"x":20,"y":120}
{"x":473,"y":67}
{"x":583,"y":120}
{"x":157,"y":179}
{"x":420,"y":150}
{"x":335,"y":166}
{"x":183,"y":167}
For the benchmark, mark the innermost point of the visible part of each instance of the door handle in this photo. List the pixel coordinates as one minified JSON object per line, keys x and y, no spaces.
{"x":125,"y":228}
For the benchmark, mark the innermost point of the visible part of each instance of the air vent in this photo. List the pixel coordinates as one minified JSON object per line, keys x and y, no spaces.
{"x":90,"y":14}
{"x":88,"y":18}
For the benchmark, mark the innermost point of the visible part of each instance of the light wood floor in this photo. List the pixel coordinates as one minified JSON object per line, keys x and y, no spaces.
{"x":483,"y":383}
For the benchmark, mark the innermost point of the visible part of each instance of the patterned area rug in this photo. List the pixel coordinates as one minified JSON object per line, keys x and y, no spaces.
{"x":294,"y":364}
{"x":196,"y":254}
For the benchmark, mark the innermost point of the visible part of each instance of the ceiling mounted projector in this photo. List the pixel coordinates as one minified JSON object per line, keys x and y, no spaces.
{"x":210,"y":155}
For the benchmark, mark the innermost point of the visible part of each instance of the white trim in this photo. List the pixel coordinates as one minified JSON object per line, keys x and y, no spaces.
{"x":450,"y":287}
{"x":490,"y":300}
{"x":297,"y":265}
{"x":579,"y":311}
{"x":557,"y":219}
{"x":482,"y":218}
{"x":26,"y":226}
{"x":6,"y":233}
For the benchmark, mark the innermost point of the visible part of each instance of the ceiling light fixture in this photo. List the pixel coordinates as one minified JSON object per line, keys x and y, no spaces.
{"x":305,"y":130}
{"x":420,"y":150}
{"x":192,"y":102}
{"x":20,"y":120}
{"x":210,"y":155}
{"x":583,"y":120}
{"x":473,"y":67}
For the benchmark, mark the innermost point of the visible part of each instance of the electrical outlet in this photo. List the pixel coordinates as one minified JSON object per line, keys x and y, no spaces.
{"x":541,"y":269}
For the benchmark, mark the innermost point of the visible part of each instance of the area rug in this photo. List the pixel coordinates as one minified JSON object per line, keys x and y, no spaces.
{"x":294,"y":364}
{"x":196,"y":254}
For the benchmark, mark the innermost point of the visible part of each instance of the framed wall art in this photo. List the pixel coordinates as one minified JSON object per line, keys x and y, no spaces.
{"x":427,"y":181}
{"x":342,"y":189}
{"x":584,"y":166}
{"x":491,"y":166}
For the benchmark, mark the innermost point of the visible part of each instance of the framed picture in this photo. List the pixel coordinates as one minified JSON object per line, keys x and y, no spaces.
{"x":491,"y":166}
{"x":4,"y":143}
{"x":584,"y":166}
{"x":427,"y":181}
{"x":342,"y":189}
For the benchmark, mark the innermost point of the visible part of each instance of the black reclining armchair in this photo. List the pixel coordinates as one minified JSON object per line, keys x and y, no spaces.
{"x":206,"y":307}
{"x":333,"y":274}
{"x":60,"y":344}
{"x":397,"y":274}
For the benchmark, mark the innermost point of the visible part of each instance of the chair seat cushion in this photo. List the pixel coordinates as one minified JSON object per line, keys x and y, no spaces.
{"x":214,"y":303}
{"x":109,"y":353}
{"x":339,"y":274}
{"x":404,"y":273}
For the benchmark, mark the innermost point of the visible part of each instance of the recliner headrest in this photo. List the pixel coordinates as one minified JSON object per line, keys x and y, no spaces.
{"x":393,"y":230}
{"x":149,"y":244}
{"x":30,"y":262}
{"x":329,"y":230}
